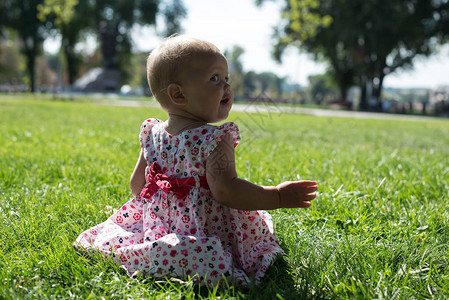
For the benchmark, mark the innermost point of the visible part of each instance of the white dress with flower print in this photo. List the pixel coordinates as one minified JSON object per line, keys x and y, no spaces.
{"x":193,"y":237}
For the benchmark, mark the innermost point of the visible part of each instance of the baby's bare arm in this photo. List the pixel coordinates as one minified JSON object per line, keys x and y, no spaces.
{"x":137,"y":180}
{"x":231,"y":191}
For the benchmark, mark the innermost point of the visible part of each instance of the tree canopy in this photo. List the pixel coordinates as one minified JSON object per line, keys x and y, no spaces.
{"x":110,"y":20}
{"x":363,"y":41}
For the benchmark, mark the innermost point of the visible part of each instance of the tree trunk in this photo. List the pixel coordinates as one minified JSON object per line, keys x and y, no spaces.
{"x":343,"y":90}
{"x":69,"y":40}
{"x":30,"y":51}
{"x":71,"y":64}
{"x":377,"y":90}
{"x":31,"y":63}
{"x":363,"y":105}
{"x":108,"y":40}
{"x":344,"y":82}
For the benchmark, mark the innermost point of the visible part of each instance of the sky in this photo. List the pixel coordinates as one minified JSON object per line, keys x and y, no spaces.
{"x":241,"y":22}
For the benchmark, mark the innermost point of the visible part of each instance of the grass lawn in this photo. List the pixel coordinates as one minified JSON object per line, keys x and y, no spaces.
{"x":378,"y":229}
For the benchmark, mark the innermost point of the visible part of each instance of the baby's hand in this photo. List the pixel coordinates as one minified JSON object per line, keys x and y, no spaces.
{"x":296,"y":193}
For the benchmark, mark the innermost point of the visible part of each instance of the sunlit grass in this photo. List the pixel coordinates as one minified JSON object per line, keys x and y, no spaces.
{"x":379,"y":228}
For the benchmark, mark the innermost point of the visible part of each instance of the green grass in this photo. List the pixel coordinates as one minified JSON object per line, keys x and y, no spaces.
{"x":378,"y":229}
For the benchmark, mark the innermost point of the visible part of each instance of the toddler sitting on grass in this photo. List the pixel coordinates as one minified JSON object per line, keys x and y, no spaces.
{"x":191,"y":215}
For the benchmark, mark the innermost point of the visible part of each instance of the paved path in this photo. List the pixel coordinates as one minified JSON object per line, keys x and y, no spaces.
{"x":273,"y":108}
{"x":329,"y":112}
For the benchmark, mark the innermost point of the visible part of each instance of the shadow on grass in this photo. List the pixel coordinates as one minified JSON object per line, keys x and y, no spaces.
{"x":278,"y":283}
{"x":281,"y":282}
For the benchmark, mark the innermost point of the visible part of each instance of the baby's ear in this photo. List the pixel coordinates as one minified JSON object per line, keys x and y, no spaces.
{"x":175,"y":94}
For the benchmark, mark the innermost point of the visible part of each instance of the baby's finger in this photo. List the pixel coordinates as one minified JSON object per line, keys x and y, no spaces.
{"x":308,"y":197}
{"x":309,"y":189}
{"x":304,"y":204}
{"x":307,"y":183}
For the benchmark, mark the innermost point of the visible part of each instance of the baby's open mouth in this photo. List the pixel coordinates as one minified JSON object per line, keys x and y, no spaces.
{"x":224,"y":101}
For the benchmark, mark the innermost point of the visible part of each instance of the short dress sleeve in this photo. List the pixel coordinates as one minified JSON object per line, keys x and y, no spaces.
{"x":219,"y":133}
{"x":145,"y":130}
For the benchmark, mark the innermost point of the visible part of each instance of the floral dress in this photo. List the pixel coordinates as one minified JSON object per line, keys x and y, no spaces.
{"x":174,"y":228}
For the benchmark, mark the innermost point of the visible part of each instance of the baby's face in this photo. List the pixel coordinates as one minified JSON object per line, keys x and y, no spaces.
{"x":206,"y":87}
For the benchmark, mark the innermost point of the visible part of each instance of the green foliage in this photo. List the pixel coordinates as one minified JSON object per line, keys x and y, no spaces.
{"x":69,"y":18}
{"x":264,"y":84}
{"x":251,"y":84}
{"x":363,"y":41}
{"x":11,"y":66}
{"x":322,"y":89}
{"x":111,"y":20}
{"x":21,"y":16}
{"x":236,"y":70}
{"x":62,"y":9}
{"x":173,"y":12}
{"x":304,"y":19}
{"x":378,"y":229}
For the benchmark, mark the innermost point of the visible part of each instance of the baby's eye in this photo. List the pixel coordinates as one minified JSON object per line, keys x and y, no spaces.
{"x":215,"y":78}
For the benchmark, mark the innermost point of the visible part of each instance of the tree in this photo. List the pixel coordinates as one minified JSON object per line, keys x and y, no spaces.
{"x":443,"y":24}
{"x":269,"y":81}
{"x":391,"y":38}
{"x":173,"y":12}
{"x":10,"y":58}
{"x":259,"y":84}
{"x":363,"y":41}
{"x":321,"y":88}
{"x":236,"y":70}
{"x":114,"y":19}
{"x":249,"y":84}
{"x":68,"y":17}
{"x":2,"y":17}
{"x":21,"y":16}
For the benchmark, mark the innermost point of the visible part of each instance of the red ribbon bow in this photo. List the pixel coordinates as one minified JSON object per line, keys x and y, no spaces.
{"x":158,"y":180}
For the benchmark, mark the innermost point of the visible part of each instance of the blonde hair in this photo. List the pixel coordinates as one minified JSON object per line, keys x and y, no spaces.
{"x":166,"y":63}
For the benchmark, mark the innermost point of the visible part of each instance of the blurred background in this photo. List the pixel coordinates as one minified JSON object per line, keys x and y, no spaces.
{"x":383,"y":55}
